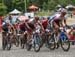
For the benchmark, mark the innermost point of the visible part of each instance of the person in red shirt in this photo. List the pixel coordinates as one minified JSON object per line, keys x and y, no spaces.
{"x":22,"y":27}
{"x":30,"y":27}
{"x":45,"y":23}
{"x":71,"y":35}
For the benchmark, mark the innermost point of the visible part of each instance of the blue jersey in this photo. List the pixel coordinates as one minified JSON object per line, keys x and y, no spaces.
{"x":5,"y":27}
{"x":51,"y":18}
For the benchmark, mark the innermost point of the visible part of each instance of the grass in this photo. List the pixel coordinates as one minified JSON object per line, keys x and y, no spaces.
{"x":46,"y":13}
{"x":43,"y":13}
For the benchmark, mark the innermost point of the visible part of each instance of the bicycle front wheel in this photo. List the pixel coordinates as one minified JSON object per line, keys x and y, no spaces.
{"x":65,"y":43}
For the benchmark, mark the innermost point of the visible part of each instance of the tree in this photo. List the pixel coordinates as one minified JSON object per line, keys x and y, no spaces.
{"x":44,"y":6}
{"x":51,"y":4}
{"x":9,"y":5}
{"x":3,"y":9}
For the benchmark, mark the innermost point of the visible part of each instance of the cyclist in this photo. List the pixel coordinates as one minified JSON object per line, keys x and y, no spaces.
{"x":5,"y":27}
{"x":22,"y":29}
{"x":31,"y":25}
{"x":58,"y":18}
{"x":57,"y":22}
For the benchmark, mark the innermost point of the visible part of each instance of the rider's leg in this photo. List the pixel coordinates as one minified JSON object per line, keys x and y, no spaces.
{"x":65,"y":21}
{"x":28,"y":37}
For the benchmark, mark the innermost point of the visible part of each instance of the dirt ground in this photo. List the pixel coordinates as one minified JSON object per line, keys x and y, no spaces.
{"x":70,"y":21}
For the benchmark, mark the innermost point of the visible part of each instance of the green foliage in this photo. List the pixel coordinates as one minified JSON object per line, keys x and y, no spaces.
{"x":45,"y":6}
{"x":51,"y":4}
{"x":2,"y":9}
{"x":8,"y":5}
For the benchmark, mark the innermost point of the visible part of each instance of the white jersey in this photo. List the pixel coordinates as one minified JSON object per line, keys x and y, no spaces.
{"x":3,"y":23}
{"x":56,"y":16}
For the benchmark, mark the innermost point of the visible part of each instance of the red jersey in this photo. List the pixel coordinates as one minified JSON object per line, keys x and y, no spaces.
{"x":22,"y":25}
{"x":45,"y":23}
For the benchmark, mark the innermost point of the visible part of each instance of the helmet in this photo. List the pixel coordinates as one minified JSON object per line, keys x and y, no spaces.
{"x":71,"y":27}
{"x":63,"y":11}
{"x":36,"y":18}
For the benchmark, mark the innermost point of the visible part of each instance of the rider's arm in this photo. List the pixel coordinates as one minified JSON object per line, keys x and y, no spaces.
{"x":41,"y":26}
{"x":65,"y":21}
{"x":55,"y":24}
{"x":27,"y":25}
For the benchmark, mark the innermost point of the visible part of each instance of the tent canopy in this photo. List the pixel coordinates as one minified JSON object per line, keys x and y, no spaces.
{"x":15,"y":11}
{"x":58,"y":6}
{"x":70,"y":7}
{"x":33,"y":7}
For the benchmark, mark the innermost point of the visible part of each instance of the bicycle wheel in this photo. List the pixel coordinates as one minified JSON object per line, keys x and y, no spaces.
{"x":4,"y":41}
{"x":65,"y":43}
{"x":8,"y":46}
{"x":41,"y":43}
{"x":51,"y":43}
{"x":8,"y":43}
{"x":22,"y":43}
{"x":36,"y":43}
{"x":28,"y":46}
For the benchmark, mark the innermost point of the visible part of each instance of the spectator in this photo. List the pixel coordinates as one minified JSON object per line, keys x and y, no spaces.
{"x":10,"y":18}
{"x":72,"y":35}
{"x":71,"y":15}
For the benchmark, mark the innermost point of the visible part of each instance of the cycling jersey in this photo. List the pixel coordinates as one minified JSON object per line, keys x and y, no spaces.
{"x":45,"y":23}
{"x":22,"y":27}
{"x":5,"y":26}
{"x":30,"y":23}
{"x":57,"y":18}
